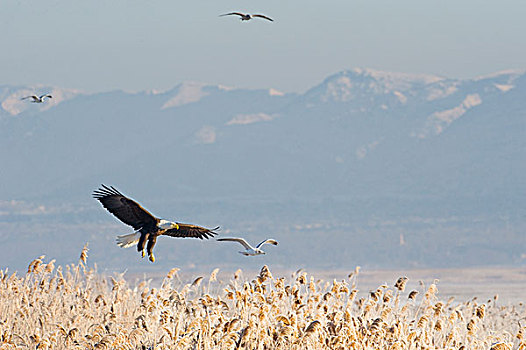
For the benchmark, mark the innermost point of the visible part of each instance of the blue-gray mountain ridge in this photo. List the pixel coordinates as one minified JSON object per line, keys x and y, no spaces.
{"x":363,"y":145}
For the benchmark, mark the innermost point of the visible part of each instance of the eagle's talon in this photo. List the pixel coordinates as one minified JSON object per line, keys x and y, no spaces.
{"x":143,"y":253}
{"x":152,"y":258}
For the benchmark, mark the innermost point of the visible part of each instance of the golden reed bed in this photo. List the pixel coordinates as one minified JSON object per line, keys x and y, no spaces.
{"x":77,"y":308}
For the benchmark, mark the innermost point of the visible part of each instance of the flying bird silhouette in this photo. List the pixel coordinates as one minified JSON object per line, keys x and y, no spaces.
{"x":249,"y":250}
{"x":147,"y":227}
{"x":37,"y":99}
{"x":246,"y":16}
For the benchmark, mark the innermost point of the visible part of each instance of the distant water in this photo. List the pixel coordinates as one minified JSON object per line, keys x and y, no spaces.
{"x":507,"y":284}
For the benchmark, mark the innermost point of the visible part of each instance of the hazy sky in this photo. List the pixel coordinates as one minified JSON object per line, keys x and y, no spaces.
{"x":98,"y":45}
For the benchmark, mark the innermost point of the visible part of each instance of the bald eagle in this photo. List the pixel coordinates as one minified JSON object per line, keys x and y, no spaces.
{"x":147,"y":227}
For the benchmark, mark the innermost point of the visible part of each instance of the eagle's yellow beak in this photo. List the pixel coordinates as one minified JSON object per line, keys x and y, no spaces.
{"x":176,"y":227}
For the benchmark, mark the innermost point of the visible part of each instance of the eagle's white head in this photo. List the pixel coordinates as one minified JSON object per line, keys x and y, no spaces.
{"x":167,"y":225}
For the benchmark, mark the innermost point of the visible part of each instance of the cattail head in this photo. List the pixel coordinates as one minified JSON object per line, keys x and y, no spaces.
{"x":480,"y":311}
{"x":265,"y":273}
{"x":438,"y":325}
{"x":84,"y":254}
{"x":234,"y":325}
{"x":197,"y":282}
{"x":213,"y":275}
{"x":283,"y":319}
{"x":312,"y":285}
{"x":312,"y":327}
{"x":387,"y":296}
{"x":172,"y":272}
{"x":520,"y":333}
{"x":50,"y":266}
{"x":400,"y":283}
{"x":375,"y":295}
{"x":471,"y":327}
{"x":352,"y":294}
{"x":431,"y":291}
{"x":502,"y":346}
{"x":35,"y":264}
{"x":377,"y":325}
{"x":422,"y":321}
{"x":438,"y":308}
{"x":412,"y":295}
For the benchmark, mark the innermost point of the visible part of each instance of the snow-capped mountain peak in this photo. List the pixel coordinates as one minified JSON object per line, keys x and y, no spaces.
{"x":185,"y":93}
{"x":360,"y":83}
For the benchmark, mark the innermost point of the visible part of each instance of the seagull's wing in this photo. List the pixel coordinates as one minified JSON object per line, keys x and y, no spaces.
{"x":32,"y":96}
{"x":193,"y":231}
{"x":269,"y":241}
{"x":265,"y":17}
{"x":239,"y":240}
{"x":232,"y":13}
{"x":45,"y":95}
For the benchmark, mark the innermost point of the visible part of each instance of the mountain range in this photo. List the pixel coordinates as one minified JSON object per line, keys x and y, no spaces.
{"x":362,"y":145}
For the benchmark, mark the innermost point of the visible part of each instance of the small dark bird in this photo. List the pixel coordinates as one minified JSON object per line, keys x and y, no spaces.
{"x":37,"y":99}
{"x":147,"y":226}
{"x":246,"y":16}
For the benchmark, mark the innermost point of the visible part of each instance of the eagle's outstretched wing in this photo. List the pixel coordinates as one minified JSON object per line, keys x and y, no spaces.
{"x":194,"y":231}
{"x":265,"y":17}
{"x":125,"y":209}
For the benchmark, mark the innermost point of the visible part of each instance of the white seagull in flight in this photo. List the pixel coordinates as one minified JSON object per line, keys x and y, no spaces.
{"x":246,"y":16}
{"x":250,"y":251}
{"x":37,"y":99}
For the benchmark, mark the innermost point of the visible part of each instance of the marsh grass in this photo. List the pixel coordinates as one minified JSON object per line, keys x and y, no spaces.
{"x":75,"y":307}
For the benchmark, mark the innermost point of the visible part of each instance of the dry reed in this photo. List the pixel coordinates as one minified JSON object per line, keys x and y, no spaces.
{"x":77,"y":308}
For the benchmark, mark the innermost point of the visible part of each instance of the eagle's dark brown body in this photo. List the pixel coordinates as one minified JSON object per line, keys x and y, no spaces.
{"x":149,"y":226}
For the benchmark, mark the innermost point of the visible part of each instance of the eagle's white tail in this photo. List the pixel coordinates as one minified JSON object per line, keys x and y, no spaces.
{"x":127,"y":241}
